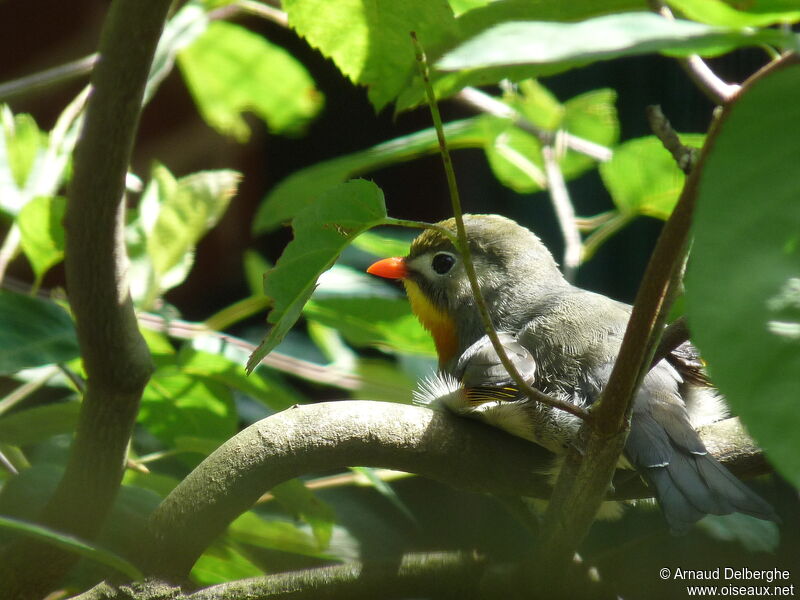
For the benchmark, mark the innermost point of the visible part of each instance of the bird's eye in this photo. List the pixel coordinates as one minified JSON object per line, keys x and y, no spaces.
{"x":443,"y":262}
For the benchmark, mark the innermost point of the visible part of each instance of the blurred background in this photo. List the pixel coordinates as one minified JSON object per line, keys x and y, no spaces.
{"x":35,"y":36}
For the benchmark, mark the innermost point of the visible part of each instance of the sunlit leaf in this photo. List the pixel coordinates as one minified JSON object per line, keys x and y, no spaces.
{"x":231,"y":70}
{"x":321,"y":232}
{"x":271,"y":534}
{"x":567,"y":45}
{"x":42,"y":232}
{"x":369,"y":41}
{"x":33,"y":332}
{"x":758,"y":13}
{"x":221,"y":563}
{"x":301,"y":188}
{"x":743,"y":279}
{"x":642,"y":176}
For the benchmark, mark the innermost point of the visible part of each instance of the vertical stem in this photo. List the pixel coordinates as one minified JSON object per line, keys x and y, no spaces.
{"x":115,"y":356}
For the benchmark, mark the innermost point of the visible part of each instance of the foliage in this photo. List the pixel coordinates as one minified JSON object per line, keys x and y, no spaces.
{"x":743,"y":282}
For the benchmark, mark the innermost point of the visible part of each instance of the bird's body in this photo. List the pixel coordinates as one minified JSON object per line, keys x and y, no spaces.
{"x":564,"y":340}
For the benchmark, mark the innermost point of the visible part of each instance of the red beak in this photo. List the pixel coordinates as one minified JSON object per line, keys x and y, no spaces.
{"x":390,"y":268}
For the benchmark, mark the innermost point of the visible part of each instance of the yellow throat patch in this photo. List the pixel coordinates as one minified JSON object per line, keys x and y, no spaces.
{"x":439,"y":323}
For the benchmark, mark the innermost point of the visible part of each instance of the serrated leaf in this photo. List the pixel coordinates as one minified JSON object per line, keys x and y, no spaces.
{"x":303,"y":504}
{"x":321,"y":232}
{"x":751,"y":14}
{"x":370,"y":41}
{"x":230,"y":70}
{"x":743,"y":279}
{"x":38,"y":423}
{"x":567,"y":45}
{"x":33,"y":332}
{"x":303,"y":187}
{"x":642,"y":176}
{"x":42,"y":232}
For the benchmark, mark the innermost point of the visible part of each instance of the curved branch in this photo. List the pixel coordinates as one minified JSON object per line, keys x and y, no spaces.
{"x":115,"y":356}
{"x":334,"y":435}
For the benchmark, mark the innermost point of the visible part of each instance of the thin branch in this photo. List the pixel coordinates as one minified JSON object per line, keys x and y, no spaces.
{"x":565,"y":212}
{"x":331,"y":436}
{"x":49,"y":77}
{"x":115,"y":356}
{"x":483,"y":102}
{"x":9,"y":249}
{"x":675,"y":334}
{"x":249,"y":7}
{"x":685,"y":156}
{"x":466,"y":255}
{"x":698,"y":71}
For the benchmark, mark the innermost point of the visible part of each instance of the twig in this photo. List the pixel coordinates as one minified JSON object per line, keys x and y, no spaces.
{"x":466,"y":255}
{"x":258,"y":9}
{"x":698,"y":71}
{"x":9,"y":249}
{"x":60,"y":74}
{"x":684,"y":156}
{"x":485,"y":103}
{"x":675,"y":334}
{"x":26,"y":389}
{"x":565,"y":213}
{"x":115,"y":355}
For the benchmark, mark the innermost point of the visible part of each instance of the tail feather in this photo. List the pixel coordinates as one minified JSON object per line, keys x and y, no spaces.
{"x":688,"y":482}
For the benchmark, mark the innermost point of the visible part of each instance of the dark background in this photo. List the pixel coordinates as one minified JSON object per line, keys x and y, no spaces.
{"x":39,"y":35}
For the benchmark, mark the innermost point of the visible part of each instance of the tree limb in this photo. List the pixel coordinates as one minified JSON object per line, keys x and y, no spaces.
{"x":333,"y":435}
{"x":115,"y":356}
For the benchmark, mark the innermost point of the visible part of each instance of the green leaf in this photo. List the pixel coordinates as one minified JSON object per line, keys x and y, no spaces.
{"x":39,"y":423}
{"x":370,"y":41}
{"x":33,"y":332}
{"x":223,"y":370}
{"x":72,"y":544}
{"x":255,"y":265}
{"x":480,"y":19}
{"x":515,"y":155}
{"x":22,"y":142}
{"x":301,"y":502}
{"x":250,"y":528}
{"x":385,"y":323}
{"x":567,"y":45}
{"x":40,"y":225}
{"x":642,"y":176}
{"x":179,"y":405}
{"x":181,"y":30}
{"x":230,"y":70}
{"x":222,"y":563}
{"x":321,"y":232}
{"x":743,"y":282}
{"x":174,"y":215}
{"x":303,"y":187}
{"x":759,"y":13}
{"x":756,"y":535}
{"x":385,"y":490}
{"x":382,"y":244}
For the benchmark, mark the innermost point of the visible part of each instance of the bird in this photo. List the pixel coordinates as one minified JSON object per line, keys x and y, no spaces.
{"x":564,"y":341}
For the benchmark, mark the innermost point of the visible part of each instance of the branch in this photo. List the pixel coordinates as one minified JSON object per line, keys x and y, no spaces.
{"x":327,"y":436}
{"x":684,"y":156}
{"x":335,"y":435}
{"x":565,"y":212}
{"x":483,"y":102}
{"x":115,"y":356}
{"x":435,"y":574}
{"x":698,"y":71}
